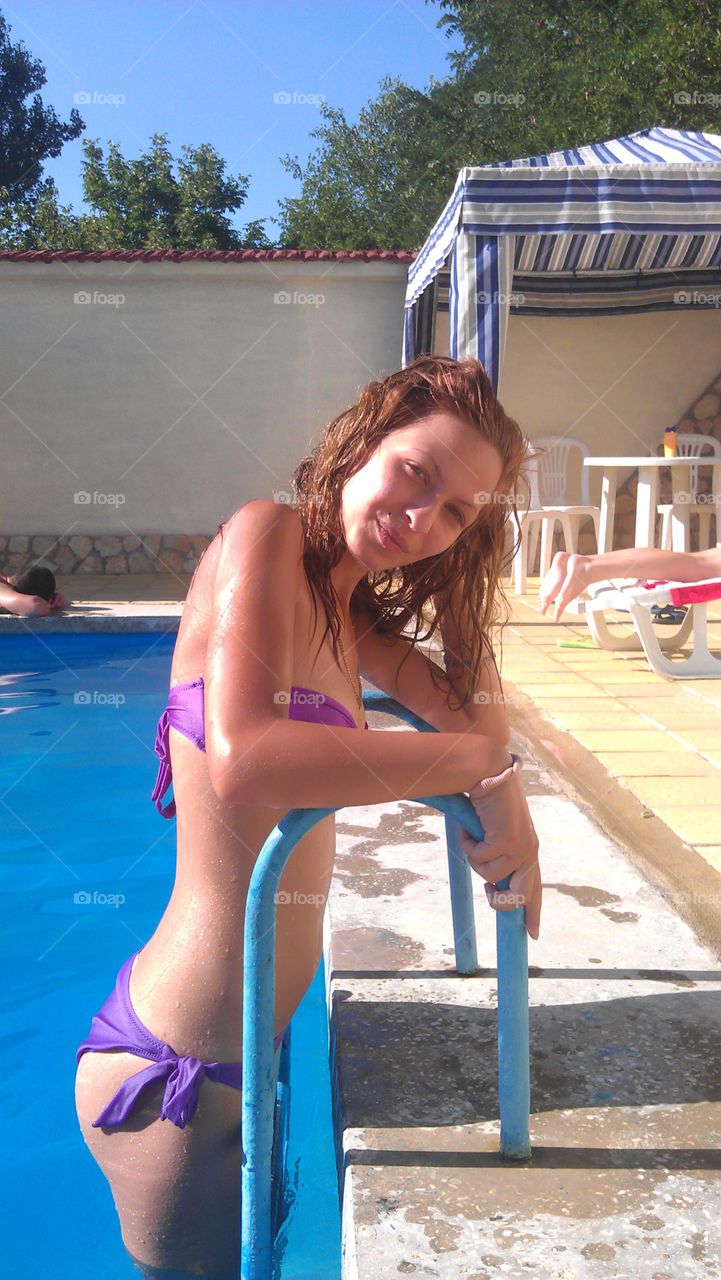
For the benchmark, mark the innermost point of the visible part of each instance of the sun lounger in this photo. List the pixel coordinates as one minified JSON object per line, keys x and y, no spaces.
{"x":629,"y":595}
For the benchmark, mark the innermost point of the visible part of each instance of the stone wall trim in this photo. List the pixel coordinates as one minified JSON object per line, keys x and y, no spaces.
{"x":103,"y":552}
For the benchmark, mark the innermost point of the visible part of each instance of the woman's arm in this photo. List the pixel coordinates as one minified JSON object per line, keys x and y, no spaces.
{"x":569,"y":575}
{"x":255,"y":754}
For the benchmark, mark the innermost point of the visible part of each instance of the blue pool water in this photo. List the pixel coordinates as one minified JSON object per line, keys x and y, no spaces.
{"x":86,"y":869}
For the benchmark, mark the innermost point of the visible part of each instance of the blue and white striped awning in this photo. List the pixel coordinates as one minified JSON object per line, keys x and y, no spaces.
{"x":631,"y":224}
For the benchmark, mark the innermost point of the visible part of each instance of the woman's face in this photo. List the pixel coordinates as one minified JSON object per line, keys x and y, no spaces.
{"x":424,"y":484}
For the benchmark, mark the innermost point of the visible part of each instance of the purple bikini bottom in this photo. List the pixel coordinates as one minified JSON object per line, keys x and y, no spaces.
{"x":117,"y":1026}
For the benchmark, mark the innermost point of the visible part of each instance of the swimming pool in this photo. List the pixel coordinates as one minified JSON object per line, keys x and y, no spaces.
{"x":87,"y":866}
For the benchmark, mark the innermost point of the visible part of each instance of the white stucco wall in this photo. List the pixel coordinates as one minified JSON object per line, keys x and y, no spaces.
{"x":201,"y":390}
{"x":197,"y":392}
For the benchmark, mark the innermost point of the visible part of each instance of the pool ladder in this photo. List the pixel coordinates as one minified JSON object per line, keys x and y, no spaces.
{"x":260,"y":1193}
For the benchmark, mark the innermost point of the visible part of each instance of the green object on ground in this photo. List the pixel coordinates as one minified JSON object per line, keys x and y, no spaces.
{"x":577,"y":644}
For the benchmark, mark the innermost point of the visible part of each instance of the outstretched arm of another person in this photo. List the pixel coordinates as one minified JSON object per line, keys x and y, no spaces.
{"x":569,"y":575}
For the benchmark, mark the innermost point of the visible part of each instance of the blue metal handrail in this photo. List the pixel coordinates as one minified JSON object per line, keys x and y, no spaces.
{"x":258,"y":1097}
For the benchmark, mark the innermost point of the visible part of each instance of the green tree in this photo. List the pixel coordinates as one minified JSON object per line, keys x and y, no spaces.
{"x":39,"y":222}
{"x":141,"y":204}
{"x":552,"y":74}
{"x":30,"y":133}
{"x":529,"y":78}
{"x":376,"y":183}
{"x":138,"y":204}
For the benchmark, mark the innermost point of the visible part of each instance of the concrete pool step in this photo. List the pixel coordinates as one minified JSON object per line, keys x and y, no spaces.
{"x":625,"y":1022}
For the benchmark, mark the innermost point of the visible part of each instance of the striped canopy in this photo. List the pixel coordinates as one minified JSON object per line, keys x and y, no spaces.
{"x":628,"y":225}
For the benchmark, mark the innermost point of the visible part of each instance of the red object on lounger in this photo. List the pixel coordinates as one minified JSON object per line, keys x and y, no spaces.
{"x":691,"y":592}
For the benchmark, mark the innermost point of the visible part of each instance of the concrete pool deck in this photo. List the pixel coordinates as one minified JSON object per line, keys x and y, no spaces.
{"x":625,"y":1029}
{"x":625,"y":981}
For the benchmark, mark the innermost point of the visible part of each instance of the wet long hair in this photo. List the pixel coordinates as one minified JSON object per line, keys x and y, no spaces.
{"x":470,"y":569}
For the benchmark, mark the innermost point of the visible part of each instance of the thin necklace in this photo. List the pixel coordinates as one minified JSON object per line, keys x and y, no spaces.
{"x":358,"y":695}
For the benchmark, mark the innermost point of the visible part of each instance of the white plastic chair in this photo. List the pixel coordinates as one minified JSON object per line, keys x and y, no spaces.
{"x":691,"y":444}
{"x":547,"y":472}
{"x":629,"y":595}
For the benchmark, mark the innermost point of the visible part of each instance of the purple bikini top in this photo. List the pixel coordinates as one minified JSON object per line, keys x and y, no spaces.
{"x":185,"y":712}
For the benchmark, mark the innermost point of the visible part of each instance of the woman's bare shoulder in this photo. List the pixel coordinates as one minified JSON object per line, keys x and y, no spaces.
{"x":264,"y":511}
{"x":261,"y":551}
{"x":257,"y":532}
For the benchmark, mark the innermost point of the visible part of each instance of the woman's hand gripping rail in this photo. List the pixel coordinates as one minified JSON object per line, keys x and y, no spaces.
{"x":509,"y":846}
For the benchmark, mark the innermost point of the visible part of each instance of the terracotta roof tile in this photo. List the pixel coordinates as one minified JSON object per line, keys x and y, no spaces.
{"x":208,"y":255}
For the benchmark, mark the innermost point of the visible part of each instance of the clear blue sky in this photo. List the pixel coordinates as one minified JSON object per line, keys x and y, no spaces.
{"x":207,"y":71}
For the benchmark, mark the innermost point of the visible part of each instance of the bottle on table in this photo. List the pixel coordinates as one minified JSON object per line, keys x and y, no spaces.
{"x":670,"y":443}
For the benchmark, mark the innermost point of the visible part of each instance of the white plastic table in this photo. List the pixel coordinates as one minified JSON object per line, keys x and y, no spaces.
{"x":647,"y":495}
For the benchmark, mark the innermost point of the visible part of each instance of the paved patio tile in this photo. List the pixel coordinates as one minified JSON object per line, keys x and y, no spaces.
{"x":550,"y":682}
{"x":637,"y":738}
{"x":618,"y":671}
{"x":663,"y":764}
{"x":602,"y":720}
{"x":710,"y":689}
{"x":708,"y":740}
{"x":553,"y":691}
{"x":661,"y":738}
{"x":712,"y":854}
{"x":631,"y":684}
{"x":678,"y":718}
{"x":587,"y":703}
{"x":665,"y":792}
{"x":634,"y":687}
{"x":695,"y":826}
{"x":580,"y":720}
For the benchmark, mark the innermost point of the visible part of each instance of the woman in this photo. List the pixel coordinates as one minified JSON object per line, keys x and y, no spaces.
{"x":402,"y":506}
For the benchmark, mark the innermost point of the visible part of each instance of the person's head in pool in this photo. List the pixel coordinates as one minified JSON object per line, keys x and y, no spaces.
{"x":428,"y":456}
{"x":36,"y":581}
{"x":31,"y":593}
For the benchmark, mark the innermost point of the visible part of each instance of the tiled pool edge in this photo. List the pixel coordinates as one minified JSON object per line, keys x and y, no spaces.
{"x":164,"y":617}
